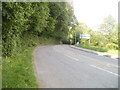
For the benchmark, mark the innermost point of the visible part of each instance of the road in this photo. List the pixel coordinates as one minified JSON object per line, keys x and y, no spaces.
{"x":60,"y":66}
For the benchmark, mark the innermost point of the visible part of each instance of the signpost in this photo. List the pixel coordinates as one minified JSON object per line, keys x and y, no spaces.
{"x":85,"y":36}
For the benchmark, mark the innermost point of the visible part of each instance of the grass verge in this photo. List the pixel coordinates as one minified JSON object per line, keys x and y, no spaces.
{"x":18,"y":71}
{"x":93,"y":48}
{"x":110,"y":51}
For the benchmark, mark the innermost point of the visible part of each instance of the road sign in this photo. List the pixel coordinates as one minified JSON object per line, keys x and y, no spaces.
{"x":84,"y":36}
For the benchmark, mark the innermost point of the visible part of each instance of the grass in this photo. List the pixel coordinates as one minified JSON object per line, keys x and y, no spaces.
{"x":93,"y":48}
{"x":110,"y":51}
{"x":18,"y":70}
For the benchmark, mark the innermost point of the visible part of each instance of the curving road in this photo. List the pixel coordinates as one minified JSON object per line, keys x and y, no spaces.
{"x":60,"y":66}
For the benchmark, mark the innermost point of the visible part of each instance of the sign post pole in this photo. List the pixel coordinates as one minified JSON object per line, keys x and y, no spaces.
{"x":85,"y":36}
{"x":81,"y":39}
{"x":75,"y":37}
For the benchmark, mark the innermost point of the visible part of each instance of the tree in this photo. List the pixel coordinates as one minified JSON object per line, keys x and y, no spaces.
{"x":63,"y":14}
{"x":108,"y":25}
{"x":79,"y":29}
{"x":41,"y":19}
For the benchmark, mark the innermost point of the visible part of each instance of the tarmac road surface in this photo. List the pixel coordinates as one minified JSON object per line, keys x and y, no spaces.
{"x":60,"y":66}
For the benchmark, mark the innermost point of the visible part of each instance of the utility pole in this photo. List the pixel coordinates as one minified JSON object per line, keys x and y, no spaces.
{"x":81,"y":39}
{"x":89,"y":42}
{"x":75,"y":37}
{"x":69,"y":35}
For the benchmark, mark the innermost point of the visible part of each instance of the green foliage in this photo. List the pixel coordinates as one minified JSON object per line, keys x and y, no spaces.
{"x":14,"y":23}
{"x":18,"y":71}
{"x":111,"y":51}
{"x":95,"y":48}
{"x":108,"y":25}
{"x":42,"y":19}
{"x":25,"y":26}
{"x":40,"y":16}
{"x":63,"y":14}
{"x":98,"y":39}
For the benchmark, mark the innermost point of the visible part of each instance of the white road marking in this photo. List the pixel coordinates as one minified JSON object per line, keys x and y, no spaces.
{"x":72,"y":58}
{"x":105,"y":70}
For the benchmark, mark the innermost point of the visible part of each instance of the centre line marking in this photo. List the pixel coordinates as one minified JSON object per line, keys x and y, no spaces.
{"x":105,"y":70}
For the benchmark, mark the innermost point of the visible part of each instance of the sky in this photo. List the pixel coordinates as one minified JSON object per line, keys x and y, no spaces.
{"x":92,"y":12}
